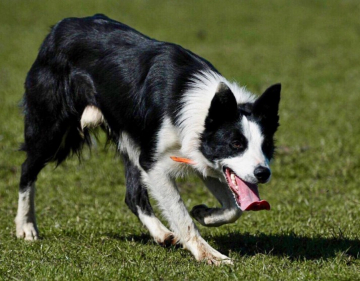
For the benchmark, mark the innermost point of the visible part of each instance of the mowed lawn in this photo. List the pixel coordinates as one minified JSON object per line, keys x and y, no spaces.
{"x":313,"y":229}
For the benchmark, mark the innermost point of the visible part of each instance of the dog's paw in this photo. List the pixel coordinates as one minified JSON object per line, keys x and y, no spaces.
{"x":208,"y":216}
{"x":200,"y":212}
{"x":215,"y":260}
{"x":202,"y":251}
{"x":27,"y":231}
{"x":160,"y":233}
{"x":214,"y":216}
{"x":168,"y":240}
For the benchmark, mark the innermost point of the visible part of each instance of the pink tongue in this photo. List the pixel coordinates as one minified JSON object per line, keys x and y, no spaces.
{"x":249,"y":197}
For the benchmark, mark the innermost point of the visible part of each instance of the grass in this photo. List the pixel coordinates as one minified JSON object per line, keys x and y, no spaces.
{"x":312,"y":231}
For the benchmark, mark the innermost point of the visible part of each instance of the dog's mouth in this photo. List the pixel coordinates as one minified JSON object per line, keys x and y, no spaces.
{"x":246,"y":194}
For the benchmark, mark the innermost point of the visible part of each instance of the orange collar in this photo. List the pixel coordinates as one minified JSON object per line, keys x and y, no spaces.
{"x":182,"y":160}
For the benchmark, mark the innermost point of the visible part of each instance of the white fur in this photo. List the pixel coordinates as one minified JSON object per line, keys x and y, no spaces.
{"x":167,"y":138}
{"x":25,"y":219}
{"x":161,"y":186}
{"x":91,"y":117}
{"x":157,"y":230}
{"x":245,"y":164}
{"x":202,"y":251}
{"x":127,"y":145}
{"x":192,"y":117}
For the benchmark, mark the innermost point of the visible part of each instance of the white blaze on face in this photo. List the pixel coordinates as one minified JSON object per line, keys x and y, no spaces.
{"x":245,"y":164}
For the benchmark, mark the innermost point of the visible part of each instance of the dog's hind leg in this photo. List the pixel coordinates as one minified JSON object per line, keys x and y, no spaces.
{"x":46,"y":139}
{"x":137,"y":199}
{"x":53,"y":101}
{"x":25,"y":219}
{"x":42,"y":145}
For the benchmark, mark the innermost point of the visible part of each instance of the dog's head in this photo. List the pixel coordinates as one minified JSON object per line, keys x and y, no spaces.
{"x":239,"y":140}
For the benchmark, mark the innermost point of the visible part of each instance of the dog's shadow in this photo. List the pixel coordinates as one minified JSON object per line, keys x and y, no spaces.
{"x":288,"y":245}
{"x":143,"y":238}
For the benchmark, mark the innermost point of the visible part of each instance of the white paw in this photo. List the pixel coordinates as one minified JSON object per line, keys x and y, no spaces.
{"x":167,"y":239}
{"x":161,"y":234}
{"x":204,"y":252}
{"x":26,"y":230}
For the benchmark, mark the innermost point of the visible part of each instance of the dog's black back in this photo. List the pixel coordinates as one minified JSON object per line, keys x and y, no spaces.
{"x":131,"y":78}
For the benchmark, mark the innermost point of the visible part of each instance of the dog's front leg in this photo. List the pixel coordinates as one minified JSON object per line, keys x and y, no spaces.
{"x":229,"y":212}
{"x":163,"y":188}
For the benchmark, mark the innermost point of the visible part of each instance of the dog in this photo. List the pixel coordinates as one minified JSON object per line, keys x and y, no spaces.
{"x":169,"y":112}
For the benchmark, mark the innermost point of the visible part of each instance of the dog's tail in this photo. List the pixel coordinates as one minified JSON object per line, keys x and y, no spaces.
{"x":81,"y":107}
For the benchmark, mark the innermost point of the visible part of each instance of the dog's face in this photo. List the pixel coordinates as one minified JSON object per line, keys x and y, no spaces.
{"x":239,"y":141}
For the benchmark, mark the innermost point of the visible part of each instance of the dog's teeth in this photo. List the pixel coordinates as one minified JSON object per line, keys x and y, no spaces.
{"x":232,"y":176}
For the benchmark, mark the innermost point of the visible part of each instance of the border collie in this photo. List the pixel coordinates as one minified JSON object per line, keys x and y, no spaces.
{"x":169,"y":112}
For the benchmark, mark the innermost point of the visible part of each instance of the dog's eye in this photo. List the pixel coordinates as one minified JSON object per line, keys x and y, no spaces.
{"x":237,"y":144}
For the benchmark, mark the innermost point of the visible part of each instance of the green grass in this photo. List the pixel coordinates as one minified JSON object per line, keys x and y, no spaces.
{"x":313,"y":229}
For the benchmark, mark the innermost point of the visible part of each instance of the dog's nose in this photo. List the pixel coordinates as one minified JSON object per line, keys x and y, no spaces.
{"x":262,"y":174}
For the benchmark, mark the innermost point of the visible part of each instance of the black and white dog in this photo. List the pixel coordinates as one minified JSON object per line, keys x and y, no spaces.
{"x":168,"y":110}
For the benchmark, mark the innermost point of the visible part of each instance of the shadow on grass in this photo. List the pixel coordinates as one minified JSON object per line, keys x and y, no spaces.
{"x":290,"y":245}
{"x":144,"y":239}
{"x":141,"y":239}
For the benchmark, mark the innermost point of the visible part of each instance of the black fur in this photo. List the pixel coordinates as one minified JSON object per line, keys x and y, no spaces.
{"x":132,"y":79}
{"x":102,"y":62}
{"x":136,"y":192}
{"x":265,"y":112}
{"x":223,"y":108}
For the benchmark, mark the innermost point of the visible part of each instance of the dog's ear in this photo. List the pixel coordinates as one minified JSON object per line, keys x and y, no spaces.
{"x":266,"y":107}
{"x":223,"y":106}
